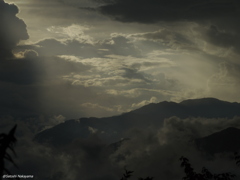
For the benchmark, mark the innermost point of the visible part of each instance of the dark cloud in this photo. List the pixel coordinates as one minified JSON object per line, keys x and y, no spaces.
{"x":33,"y":69}
{"x":153,"y":11}
{"x":12,"y":29}
{"x":120,"y":45}
{"x":15,"y":74}
{"x":29,"y":83}
{"x":19,"y":100}
{"x":223,"y":37}
{"x":21,"y":71}
{"x":134,"y":74}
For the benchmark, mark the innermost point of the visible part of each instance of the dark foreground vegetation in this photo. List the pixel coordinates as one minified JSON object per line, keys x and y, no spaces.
{"x":190,"y":174}
{"x":8,"y":141}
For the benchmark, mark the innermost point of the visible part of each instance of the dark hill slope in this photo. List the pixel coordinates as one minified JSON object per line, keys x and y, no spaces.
{"x":227,"y":140}
{"x":111,"y":128}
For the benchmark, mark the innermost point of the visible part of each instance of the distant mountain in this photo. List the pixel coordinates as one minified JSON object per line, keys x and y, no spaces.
{"x":111,"y":129}
{"x":227,"y":140}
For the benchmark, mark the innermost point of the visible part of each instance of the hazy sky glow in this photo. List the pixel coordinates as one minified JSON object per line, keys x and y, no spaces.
{"x":94,"y":58}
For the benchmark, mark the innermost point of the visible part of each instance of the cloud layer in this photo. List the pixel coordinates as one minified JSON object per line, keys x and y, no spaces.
{"x":155,"y":11}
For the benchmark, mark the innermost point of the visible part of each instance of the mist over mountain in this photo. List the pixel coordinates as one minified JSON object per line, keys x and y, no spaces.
{"x":149,"y":140}
{"x":112,"y":129}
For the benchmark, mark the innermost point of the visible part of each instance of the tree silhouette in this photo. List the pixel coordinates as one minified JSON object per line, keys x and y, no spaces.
{"x":128,"y":174}
{"x":205,"y":173}
{"x":237,"y":158}
{"x":147,"y":178}
{"x":7,"y":141}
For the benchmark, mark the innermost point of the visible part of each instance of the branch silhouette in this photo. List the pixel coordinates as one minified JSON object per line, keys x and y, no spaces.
{"x":205,"y":173}
{"x":7,"y":141}
{"x":128,"y":174}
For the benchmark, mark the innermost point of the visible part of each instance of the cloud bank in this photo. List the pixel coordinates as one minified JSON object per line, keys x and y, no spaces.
{"x":12,"y":30}
{"x":154,"y":11}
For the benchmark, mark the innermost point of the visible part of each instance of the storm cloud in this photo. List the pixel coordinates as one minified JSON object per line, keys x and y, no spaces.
{"x":13,"y":29}
{"x":154,"y":11}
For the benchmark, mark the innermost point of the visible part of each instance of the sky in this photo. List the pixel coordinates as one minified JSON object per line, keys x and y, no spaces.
{"x":100,"y":58}
{"x":67,"y":59}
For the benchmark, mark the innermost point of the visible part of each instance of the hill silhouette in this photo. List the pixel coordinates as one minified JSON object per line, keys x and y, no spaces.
{"x":227,"y":140}
{"x":111,"y":129}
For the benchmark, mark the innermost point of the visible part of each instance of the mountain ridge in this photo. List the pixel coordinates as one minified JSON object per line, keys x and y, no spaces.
{"x":112,"y":129}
